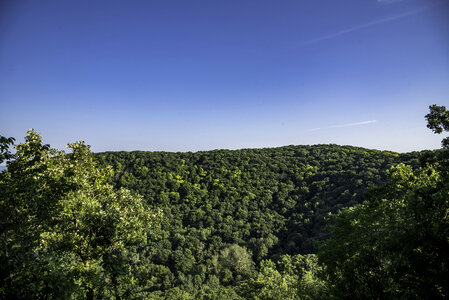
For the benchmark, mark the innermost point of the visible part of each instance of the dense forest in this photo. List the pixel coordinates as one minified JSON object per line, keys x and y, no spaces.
{"x":262,"y":202}
{"x":295,"y":222}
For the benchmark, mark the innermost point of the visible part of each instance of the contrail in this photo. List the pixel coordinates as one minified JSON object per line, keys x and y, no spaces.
{"x":353,"y":124}
{"x":389,"y":1}
{"x":369,"y":24}
{"x":313,"y":129}
{"x":343,"y":125}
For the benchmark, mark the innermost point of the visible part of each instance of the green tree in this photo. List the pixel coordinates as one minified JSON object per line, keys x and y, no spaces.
{"x":290,"y":278}
{"x":237,"y":260}
{"x":5,"y":143}
{"x":66,"y":232}
{"x":438,"y":121}
{"x":396,"y":244}
{"x":270,"y":284}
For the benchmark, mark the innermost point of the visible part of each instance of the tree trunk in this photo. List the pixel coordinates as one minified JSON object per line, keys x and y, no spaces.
{"x":90,"y":294}
{"x":90,"y":289}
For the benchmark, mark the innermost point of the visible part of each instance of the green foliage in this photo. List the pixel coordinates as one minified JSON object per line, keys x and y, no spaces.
{"x":396,"y":244}
{"x":5,"y":143}
{"x":290,"y":278}
{"x":271,"y":284}
{"x":237,"y":260}
{"x":66,"y":232}
{"x":269,"y":202}
{"x":438,"y":121}
{"x":237,"y":224}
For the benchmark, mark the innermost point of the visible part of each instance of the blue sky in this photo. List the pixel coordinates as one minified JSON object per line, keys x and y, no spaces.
{"x":200,"y":75}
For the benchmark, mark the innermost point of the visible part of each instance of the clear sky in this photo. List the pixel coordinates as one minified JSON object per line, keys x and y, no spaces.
{"x":199,"y":75}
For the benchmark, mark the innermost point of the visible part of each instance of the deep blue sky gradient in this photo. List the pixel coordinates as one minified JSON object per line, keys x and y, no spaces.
{"x":199,"y":75}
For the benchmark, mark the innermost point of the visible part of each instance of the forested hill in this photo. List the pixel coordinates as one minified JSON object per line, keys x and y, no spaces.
{"x":269,"y":201}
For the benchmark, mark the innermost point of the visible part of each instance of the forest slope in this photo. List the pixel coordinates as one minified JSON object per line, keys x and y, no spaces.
{"x":268,"y":202}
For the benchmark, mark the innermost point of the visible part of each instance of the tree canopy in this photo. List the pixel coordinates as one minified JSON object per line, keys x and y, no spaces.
{"x":438,"y":121}
{"x":66,"y":232}
{"x":259,"y":204}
